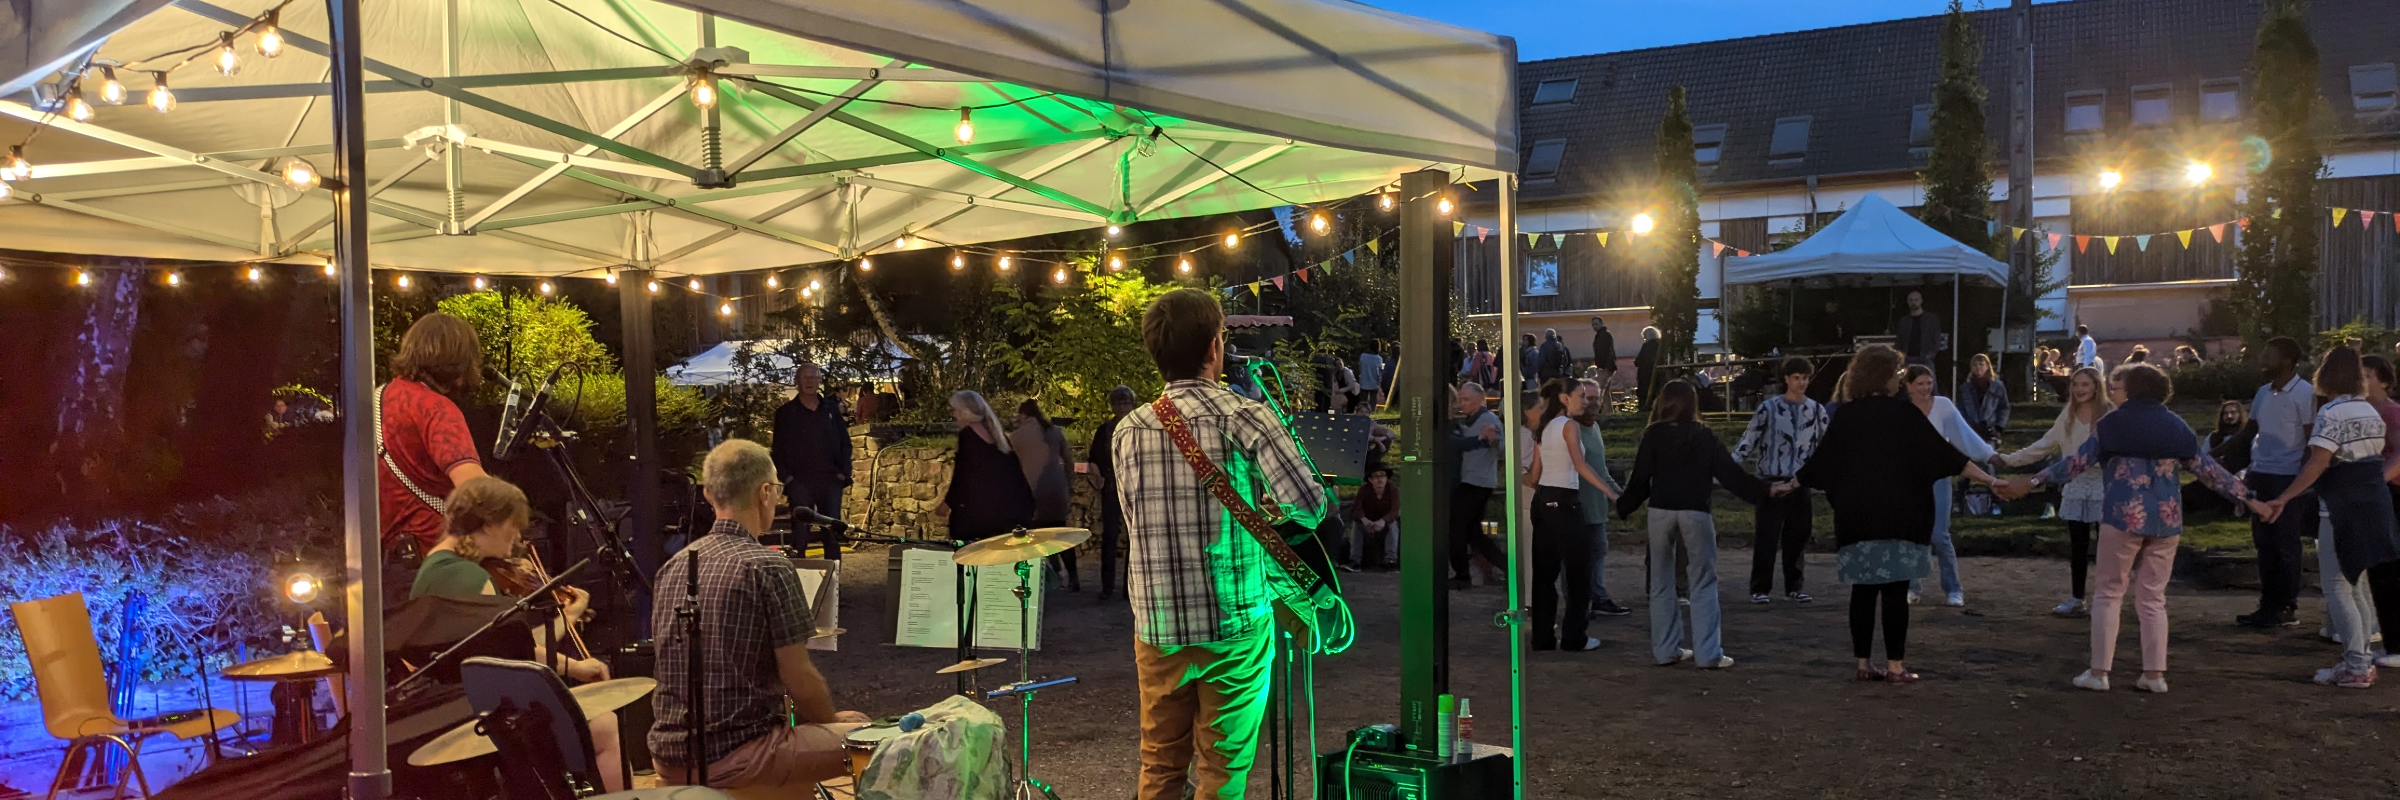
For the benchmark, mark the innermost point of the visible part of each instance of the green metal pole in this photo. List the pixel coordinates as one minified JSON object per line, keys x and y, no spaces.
{"x":1511,"y":389}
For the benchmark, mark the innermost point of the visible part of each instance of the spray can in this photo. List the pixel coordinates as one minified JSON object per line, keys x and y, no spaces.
{"x":1466,"y":732}
{"x":1445,"y":727}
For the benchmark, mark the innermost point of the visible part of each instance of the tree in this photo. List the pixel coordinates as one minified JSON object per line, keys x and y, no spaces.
{"x":1073,"y":341}
{"x":1957,"y":177}
{"x":1675,"y":307}
{"x":2274,"y":294}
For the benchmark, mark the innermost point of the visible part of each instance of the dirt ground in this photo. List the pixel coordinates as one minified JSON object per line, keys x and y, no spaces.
{"x":1995,"y":716}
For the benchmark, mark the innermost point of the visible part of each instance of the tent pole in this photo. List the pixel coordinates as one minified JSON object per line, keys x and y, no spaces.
{"x":370,"y":776}
{"x":1511,"y":389}
{"x":1954,"y":342}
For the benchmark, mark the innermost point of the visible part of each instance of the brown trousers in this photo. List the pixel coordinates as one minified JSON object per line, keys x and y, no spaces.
{"x":787,"y":758}
{"x":1201,"y":710}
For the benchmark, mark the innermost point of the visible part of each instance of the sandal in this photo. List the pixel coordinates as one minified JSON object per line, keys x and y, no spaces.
{"x":1900,"y":677}
{"x":1871,"y":674}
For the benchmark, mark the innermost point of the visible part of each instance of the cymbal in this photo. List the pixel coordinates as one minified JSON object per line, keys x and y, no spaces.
{"x":302,"y":664}
{"x":1012,"y":548}
{"x":828,"y":633}
{"x":462,"y":743}
{"x":970,"y":665}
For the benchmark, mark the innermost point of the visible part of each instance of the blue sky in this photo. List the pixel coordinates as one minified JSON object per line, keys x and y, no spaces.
{"x":1555,"y":28}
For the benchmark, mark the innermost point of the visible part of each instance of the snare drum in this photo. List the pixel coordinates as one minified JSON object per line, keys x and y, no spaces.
{"x":861,"y":745}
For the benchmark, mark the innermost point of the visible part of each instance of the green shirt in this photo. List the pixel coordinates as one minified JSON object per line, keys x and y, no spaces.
{"x":449,"y":574}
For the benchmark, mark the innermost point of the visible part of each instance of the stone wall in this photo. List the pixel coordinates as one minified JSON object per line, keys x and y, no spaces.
{"x":897,"y":488}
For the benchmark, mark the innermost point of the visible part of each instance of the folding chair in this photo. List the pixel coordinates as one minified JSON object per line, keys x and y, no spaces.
{"x":65,"y":656}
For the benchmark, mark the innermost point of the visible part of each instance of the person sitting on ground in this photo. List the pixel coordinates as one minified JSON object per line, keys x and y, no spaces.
{"x":1375,"y":515}
{"x":1983,"y":400}
{"x":755,"y":668}
{"x":2140,"y":355}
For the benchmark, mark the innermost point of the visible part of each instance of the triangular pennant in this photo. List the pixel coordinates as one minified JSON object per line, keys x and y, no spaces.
{"x":2143,"y":242}
{"x":1558,"y":240}
{"x":2185,"y":237}
{"x":2338,"y":213}
{"x":2272,"y":213}
{"x":1351,"y":257}
{"x":2055,"y":238}
{"x":1604,"y":238}
{"x":1303,"y":275}
{"x":2366,"y":218}
{"x":1278,"y":281}
{"x":1254,"y":288}
{"x":2217,"y":232}
{"x":1373,"y":246}
{"x":1481,"y":232}
{"x":2082,"y":242}
{"x":1458,"y":228}
{"x":2112,"y":243}
{"x":2015,"y":233}
{"x":1229,"y":290}
{"x":1533,"y":240}
{"x":2396,"y":221}
{"x":1742,"y":253}
{"x":1715,"y":248}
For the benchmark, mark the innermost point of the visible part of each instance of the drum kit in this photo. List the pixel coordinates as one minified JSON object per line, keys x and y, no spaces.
{"x":1022,"y":549}
{"x":463,"y":742}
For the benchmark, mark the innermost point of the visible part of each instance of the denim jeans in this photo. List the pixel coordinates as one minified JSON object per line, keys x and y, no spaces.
{"x":1697,"y":532}
{"x":1945,"y":552}
{"x":2347,"y":609}
{"x":1600,"y":565}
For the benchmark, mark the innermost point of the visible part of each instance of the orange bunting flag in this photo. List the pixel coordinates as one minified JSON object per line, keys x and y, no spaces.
{"x":1742,"y":253}
{"x":1303,"y":275}
{"x":1715,"y":248}
{"x":2185,"y":237}
{"x":2082,"y":242}
{"x":2338,"y":213}
{"x":2112,"y":244}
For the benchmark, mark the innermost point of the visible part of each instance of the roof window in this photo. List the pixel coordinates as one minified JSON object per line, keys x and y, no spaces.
{"x":2083,"y":111}
{"x":2153,"y":105}
{"x":1790,"y":143}
{"x":1541,"y":163}
{"x":2221,"y":99}
{"x":1708,"y":144}
{"x":1555,"y":90}
{"x":1920,"y":125}
{"x":2373,"y":87}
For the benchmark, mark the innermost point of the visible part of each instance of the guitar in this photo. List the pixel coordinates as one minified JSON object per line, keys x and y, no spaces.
{"x":1299,"y":569}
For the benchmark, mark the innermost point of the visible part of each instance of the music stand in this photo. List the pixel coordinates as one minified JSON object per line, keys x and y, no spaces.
{"x":1337,"y":442}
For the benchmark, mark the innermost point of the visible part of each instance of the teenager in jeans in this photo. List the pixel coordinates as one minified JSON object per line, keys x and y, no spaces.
{"x":2281,"y":410}
{"x":2346,"y":469}
{"x":1562,"y":543}
{"x":2079,"y":499}
{"x":2141,"y":449}
{"x":1781,"y":436}
{"x":1679,"y":463}
{"x":1945,"y":418}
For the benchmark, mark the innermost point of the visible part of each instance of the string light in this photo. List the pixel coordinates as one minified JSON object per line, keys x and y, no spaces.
{"x":83,"y":278}
{"x":774,"y":283}
{"x":1444,"y":206}
{"x":724,"y":309}
{"x":255,"y":274}
{"x":957,"y":262}
{"x":611,"y":278}
{"x":806,"y":292}
{"x":270,"y":35}
{"x":174,"y":279}
{"x":1233,"y":240}
{"x":965,"y":132}
{"x":1114,"y":230}
{"x":1058,"y":275}
{"x":401,"y":281}
{"x":301,"y":175}
{"x":77,"y":109}
{"x":545,"y":287}
{"x":479,"y":283}
{"x":1184,"y":265}
{"x":815,"y":286}
{"x":693,"y":284}
{"x":112,"y":92}
{"x":161,"y":97}
{"x":329,"y":269}
{"x":1004,"y":263}
{"x":1384,"y":200}
{"x":866,"y":265}
{"x":2109,"y":179}
{"x":704,"y":90}
{"x":1643,"y":224}
{"x":904,"y":242}
{"x":228,"y":62}
{"x":2196,"y":173}
{"x":17,"y":168}
{"x":1116,"y":261}
{"x":1318,"y":222}
{"x":653,"y":287}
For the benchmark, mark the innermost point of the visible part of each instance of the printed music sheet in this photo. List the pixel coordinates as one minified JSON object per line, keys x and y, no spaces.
{"x":929,"y":603}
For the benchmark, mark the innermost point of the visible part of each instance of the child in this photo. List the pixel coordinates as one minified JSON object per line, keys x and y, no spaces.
{"x":1781,"y":436}
{"x":1672,"y":472}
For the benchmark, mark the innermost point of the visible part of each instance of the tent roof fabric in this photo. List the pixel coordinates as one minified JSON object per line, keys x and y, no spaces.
{"x":575,"y":148}
{"x":1873,"y":242}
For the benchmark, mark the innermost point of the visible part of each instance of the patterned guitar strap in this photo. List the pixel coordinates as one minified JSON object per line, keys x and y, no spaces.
{"x":1213,"y":478}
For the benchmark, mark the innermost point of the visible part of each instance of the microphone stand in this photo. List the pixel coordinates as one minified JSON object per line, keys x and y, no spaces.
{"x":530,"y":600}
{"x":695,"y":719}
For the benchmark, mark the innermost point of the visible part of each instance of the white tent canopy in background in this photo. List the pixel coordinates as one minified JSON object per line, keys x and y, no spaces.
{"x":553,"y":144}
{"x":1872,"y":243}
{"x":715,"y":366}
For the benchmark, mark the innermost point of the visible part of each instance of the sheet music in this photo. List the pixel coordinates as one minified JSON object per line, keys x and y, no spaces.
{"x":929,"y":603}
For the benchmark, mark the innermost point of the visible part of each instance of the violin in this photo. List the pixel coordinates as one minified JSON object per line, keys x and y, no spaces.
{"x":520,"y":574}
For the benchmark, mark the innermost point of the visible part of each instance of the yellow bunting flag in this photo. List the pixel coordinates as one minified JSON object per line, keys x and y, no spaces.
{"x":1458,"y":228}
{"x":2111,"y":241}
{"x":1375,"y":246}
{"x":1604,"y":238}
{"x":1254,"y":287}
{"x":1533,"y":240}
{"x":2185,"y":237}
{"x":2338,"y":213}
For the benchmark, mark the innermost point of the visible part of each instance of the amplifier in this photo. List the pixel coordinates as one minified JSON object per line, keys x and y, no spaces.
{"x":1375,"y":775}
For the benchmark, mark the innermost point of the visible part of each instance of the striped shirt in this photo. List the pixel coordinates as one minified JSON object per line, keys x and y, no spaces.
{"x":1195,"y":576}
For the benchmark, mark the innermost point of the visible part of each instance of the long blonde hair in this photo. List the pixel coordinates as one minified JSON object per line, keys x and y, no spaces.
{"x":972,"y":402}
{"x":2099,"y":401}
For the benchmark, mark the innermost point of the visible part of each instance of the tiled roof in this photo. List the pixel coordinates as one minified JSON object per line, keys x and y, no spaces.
{"x":1861,"y":82}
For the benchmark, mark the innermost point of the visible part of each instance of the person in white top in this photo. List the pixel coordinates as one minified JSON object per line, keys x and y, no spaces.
{"x":1562,"y":545}
{"x":2079,"y":500}
{"x":2087,"y":352}
{"x":1938,"y":409}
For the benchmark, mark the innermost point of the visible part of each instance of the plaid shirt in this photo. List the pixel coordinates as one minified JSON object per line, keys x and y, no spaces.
{"x":1782,"y":435}
{"x":1196,"y":576}
{"x":750,"y":604}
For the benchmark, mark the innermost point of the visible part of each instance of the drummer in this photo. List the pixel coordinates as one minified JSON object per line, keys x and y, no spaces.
{"x":485,"y":516}
{"x":755,"y":624}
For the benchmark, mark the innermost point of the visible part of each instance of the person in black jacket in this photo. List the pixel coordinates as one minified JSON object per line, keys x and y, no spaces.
{"x":1121,"y":401}
{"x":988,"y":495}
{"x":1877,"y":465}
{"x":1645,"y":366}
{"x":812,"y":456}
{"x":1678,"y":464}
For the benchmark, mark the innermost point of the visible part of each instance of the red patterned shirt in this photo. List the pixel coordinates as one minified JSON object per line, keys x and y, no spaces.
{"x":426,"y":435}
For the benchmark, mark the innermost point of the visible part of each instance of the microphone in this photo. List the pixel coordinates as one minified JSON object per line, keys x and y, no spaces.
{"x":508,"y":414}
{"x":804,"y":514}
{"x":512,"y":419}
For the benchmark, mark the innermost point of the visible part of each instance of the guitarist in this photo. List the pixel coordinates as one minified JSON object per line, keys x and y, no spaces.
{"x":1203,"y":604}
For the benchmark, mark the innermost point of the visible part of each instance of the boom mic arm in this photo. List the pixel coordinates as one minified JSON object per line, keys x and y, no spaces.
{"x":508,"y":413}
{"x":513,"y":427}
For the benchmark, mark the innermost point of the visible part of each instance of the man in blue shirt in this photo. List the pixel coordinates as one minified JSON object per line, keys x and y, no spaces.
{"x":1475,"y":435}
{"x":2282,"y":410}
{"x":1370,"y":378}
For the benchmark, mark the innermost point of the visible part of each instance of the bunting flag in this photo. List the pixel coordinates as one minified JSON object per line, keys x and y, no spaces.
{"x":2338,"y":213}
{"x":1604,"y":238}
{"x":1374,"y":245}
{"x":2143,"y":242}
{"x":1303,"y":275}
{"x":1254,"y":288}
{"x":1741,"y":253}
{"x":1533,"y":240}
{"x":1458,"y":228}
{"x":1278,"y":281}
{"x":2272,"y":213}
{"x":1991,"y":227}
{"x":2244,"y":222}
{"x":1481,"y":232}
{"x":1350,"y":256}
{"x":1558,"y":240}
{"x":2217,"y":232}
{"x":2082,"y":242}
{"x":1715,"y":248}
{"x":2185,"y":237}
{"x":2055,"y":238}
{"x":2366,"y":218}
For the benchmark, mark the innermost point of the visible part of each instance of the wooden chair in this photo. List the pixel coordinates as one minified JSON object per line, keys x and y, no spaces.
{"x":65,"y":656}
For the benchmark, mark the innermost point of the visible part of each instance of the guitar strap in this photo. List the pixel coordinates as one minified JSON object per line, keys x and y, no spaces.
{"x":431,"y":501}
{"x":1213,"y":478}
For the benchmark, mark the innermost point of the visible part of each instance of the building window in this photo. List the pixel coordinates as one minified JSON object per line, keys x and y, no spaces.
{"x":2153,"y":105}
{"x":2373,"y":87}
{"x":2083,"y":111}
{"x":2221,"y":99}
{"x":1541,"y":163}
{"x":1555,"y":90}
{"x":1708,"y":144}
{"x":1541,"y":275}
{"x":1920,"y":125}
{"x":1790,"y":143}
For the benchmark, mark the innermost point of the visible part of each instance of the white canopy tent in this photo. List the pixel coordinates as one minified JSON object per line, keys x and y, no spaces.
{"x":1872,"y":243}
{"x":717,"y":365}
{"x":532,"y":137}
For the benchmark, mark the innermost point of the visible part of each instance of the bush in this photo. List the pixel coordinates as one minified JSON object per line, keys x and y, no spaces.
{"x":2375,"y":338}
{"x":2222,"y":379}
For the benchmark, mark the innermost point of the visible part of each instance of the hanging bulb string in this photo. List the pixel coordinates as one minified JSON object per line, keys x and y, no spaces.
{"x":73,"y":85}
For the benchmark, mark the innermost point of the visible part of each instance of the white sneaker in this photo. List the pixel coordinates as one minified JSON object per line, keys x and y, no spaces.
{"x":1682,"y":654}
{"x":1912,"y":598}
{"x":1760,"y":599}
{"x":1721,"y":663}
{"x":2087,"y":680}
{"x":1955,"y":599}
{"x":2151,"y":685}
{"x":2387,"y":660}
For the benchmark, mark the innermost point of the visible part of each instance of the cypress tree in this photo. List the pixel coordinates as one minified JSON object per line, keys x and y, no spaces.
{"x":1957,"y":177}
{"x":1675,"y":305}
{"x":2274,"y":294}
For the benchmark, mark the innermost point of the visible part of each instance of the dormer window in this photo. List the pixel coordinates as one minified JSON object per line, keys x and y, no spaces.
{"x":2153,"y":105}
{"x":1790,"y":143}
{"x":1708,"y":144}
{"x":2373,"y":87}
{"x":1555,"y":90}
{"x":2220,"y":99}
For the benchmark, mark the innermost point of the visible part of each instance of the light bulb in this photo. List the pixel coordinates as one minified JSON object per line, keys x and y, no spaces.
{"x":806,"y":292}
{"x":724,"y":309}
{"x":2196,"y":173}
{"x":1004,"y":263}
{"x":545,"y":287}
{"x":302,"y":587}
{"x":83,"y":278}
{"x":228,"y":62}
{"x":402,"y":281}
{"x":161,"y":97}
{"x":2109,"y":179}
{"x":112,"y":91}
{"x":1318,"y":222}
{"x":478,"y":283}
{"x":1183,"y":265}
{"x":1385,"y":200}
{"x":1058,"y":275}
{"x":1115,"y":262}
{"x":704,"y":91}
{"x":1233,"y":240}
{"x":255,"y":274}
{"x":77,"y":109}
{"x":611,"y":278}
{"x":270,"y":36}
{"x":301,"y":175}
{"x":1444,"y":206}
{"x":958,"y":262}
{"x":773,"y":283}
{"x":1642,"y":223}
{"x":653,"y":287}
{"x":174,"y":279}
{"x":903,"y":242}
{"x":965,"y":132}
{"x":693,"y":284}
{"x":815,"y":285}
{"x":329,"y":270}
{"x":866,"y":265}
{"x":17,"y":168}
{"x":1114,"y":230}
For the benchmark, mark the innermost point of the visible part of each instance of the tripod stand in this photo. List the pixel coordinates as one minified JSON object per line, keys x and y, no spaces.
{"x":1026,"y":786}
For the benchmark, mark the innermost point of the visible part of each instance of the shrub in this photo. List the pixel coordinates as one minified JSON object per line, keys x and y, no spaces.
{"x":2222,"y":379}
{"x":2376,"y":338}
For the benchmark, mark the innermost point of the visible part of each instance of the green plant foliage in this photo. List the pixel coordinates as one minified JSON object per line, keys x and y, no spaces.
{"x":527,"y":335}
{"x":1958,"y":185}
{"x":2374,"y":338}
{"x":1675,"y":308}
{"x":2274,"y":291}
{"x":2222,"y":379}
{"x":1073,"y":342}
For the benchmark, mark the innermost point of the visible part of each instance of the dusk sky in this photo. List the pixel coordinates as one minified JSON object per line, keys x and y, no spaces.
{"x":1556,"y":28}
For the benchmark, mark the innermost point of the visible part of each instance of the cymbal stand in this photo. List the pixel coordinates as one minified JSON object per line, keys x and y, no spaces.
{"x":1027,"y":787}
